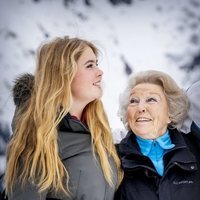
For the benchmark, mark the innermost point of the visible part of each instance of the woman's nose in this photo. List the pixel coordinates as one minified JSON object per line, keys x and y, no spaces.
{"x":141,"y":108}
{"x":99,"y":71}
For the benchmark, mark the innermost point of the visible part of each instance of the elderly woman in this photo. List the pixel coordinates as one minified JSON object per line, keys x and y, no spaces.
{"x":159,"y":162}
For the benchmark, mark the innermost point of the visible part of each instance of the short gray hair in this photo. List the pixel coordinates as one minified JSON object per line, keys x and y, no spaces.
{"x":176,"y":97}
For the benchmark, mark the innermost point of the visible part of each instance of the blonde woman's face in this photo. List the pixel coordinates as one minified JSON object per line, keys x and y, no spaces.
{"x":86,"y":85}
{"x":147,"y":112}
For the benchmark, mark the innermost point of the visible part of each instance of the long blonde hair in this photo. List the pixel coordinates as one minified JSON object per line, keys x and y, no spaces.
{"x":34,"y":141}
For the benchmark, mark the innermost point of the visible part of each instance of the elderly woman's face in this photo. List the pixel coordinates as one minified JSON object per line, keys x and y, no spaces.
{"x":147,"y":112}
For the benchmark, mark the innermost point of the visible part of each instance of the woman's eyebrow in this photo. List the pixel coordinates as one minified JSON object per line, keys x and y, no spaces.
{"x":154,"y":93}
{"x":90,"y":61}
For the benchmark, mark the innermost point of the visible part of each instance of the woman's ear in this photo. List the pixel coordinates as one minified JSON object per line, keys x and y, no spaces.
{"x":169,"y":119}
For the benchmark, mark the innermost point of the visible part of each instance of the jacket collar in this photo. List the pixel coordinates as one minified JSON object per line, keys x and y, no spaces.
{"x":150,"y":146}
{"x":132,"y":157}
{"x":129,"y":144}
{"x":72,"y":124}
{"x":181,"y":152}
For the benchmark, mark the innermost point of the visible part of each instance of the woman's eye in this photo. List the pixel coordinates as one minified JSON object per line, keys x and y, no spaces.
{"x":134,"y":101}
{"x":90,"y":66}
{"x":152,"y":100}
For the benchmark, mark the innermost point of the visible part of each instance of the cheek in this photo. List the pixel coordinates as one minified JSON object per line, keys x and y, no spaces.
{"x":79,"y":81}
{"x":74,"y":86}
{"x":165,"y":112}
{"x":130,"y":113}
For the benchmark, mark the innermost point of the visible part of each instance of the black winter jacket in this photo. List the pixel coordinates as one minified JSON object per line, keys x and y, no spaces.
{"x":181,"y":178}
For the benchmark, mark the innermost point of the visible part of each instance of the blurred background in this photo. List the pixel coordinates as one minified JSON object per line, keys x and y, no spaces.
{"x":132,"y":35}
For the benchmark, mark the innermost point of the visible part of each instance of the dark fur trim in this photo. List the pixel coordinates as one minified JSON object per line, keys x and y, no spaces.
{"x":23,"y":86}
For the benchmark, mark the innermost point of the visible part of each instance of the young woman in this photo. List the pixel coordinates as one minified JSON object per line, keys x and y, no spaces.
{"x":62,"y":146}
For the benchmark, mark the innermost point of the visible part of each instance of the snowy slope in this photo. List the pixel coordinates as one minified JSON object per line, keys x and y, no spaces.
{"x":146,"y":34}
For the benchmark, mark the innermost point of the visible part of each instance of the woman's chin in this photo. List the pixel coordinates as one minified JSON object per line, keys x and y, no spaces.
{"x":145,"y":135}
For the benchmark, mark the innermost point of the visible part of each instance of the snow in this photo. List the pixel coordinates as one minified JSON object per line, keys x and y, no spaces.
{"x":146,"y":34}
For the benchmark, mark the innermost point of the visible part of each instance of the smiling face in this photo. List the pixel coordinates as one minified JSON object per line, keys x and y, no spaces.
{"x":147,"y":111}
{"x":86,"y":85}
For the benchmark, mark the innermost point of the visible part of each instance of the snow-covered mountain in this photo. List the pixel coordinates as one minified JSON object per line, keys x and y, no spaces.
{"x":132,"y":35}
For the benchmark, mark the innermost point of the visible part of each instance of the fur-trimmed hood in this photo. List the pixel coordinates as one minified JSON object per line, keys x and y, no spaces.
{"x":22,"y":89}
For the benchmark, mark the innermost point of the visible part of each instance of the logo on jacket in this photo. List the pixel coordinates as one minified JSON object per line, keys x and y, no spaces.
{"x":183,"y":182}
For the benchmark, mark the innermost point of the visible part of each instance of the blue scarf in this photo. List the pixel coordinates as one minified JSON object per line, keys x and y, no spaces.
{"x":155,"y":149}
